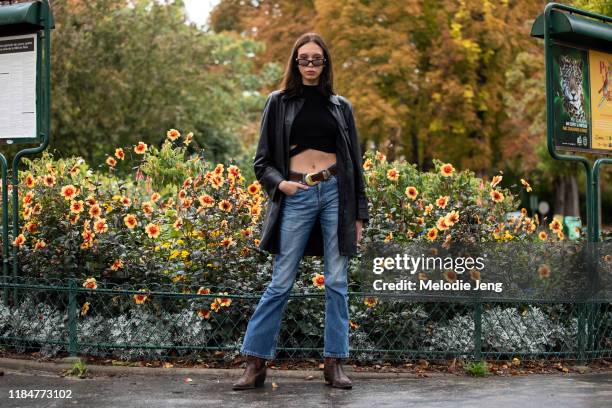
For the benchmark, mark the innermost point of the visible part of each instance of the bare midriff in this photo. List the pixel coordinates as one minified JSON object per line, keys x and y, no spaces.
{"x":311,"y":160}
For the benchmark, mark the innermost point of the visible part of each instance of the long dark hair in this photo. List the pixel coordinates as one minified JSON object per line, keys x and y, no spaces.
{"x":292,"y":79}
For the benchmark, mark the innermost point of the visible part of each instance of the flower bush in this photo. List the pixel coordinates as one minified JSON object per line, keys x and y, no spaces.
{"x":183,"y":222}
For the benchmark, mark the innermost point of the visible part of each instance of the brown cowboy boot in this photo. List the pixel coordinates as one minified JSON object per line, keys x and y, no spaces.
{"x":254,"y":375}
{"x":334,"y":374}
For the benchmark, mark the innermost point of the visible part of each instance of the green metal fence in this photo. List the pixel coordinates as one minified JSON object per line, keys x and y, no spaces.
{"x":55,"y":317}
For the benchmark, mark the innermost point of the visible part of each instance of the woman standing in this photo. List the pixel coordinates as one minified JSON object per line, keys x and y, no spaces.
{"x":308,"y":161}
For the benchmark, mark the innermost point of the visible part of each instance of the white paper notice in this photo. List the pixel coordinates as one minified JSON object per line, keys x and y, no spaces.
{"x":18,"y":87}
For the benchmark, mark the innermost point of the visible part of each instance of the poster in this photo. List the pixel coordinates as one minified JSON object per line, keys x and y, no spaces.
{"x":572,"y":102}
{"x":18,"y":87}
{"x":600,"y":73}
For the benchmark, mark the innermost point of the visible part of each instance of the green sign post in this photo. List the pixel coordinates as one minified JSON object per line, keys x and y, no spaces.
{"x":578,"y":55}
{"x":25,"y":97}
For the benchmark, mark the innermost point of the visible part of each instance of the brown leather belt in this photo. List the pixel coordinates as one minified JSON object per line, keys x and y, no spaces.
{"x":312,"y":178}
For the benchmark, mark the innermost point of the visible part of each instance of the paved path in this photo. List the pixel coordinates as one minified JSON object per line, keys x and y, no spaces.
{"x":171,"y":390}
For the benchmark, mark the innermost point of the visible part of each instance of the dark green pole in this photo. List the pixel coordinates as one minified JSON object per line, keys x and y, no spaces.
{"x":46,"y":107}
{"x":5,"y":226}
{"x":586,"y":311}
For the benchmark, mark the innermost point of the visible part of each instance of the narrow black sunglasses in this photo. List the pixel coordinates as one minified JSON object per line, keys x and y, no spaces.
{"x":317,"y":62}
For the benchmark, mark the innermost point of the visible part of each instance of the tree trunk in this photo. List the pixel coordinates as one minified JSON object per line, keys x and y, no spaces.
{"x":566,"y":196}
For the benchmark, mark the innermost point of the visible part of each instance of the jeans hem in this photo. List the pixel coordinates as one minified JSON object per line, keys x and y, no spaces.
{"x":252,"y":353}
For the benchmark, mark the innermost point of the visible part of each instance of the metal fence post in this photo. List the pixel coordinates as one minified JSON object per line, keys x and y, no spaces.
{"x":72,"y":315}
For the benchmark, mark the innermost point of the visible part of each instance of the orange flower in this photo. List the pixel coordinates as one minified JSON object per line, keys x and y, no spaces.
{"x":544,"y":271}
{"x":526,"y":185}
{"x":203,"y":291}
{"x":139,"y":299}
{"x":111,"y":161}
{"x":216,"y":182}
{"x":450,"y":275}
{"x":393,"y":174}
{"x":155,"y":196}
{"x":475,"y":275}
{"x":49,"y":181}
{"x":496,"y":196}
{"x":30,"y":181}
{"x":227,"y":241}
{"x":126,"y":201}
{"x":75,"y":170}
{"x":370,"y":301}
{"x":140,"y":148}
{"x":206,"y":200}
{"x":496,"y":180}
{"x":95,"y":211}
{"x":428,"y":209}
{"x":555,"y":225}
{"x":173,"y":134}
{"x":224,"y":301}
{"x":215,"y":306}
{"x":188,"y":138}
{"x":246,"y":232}
{"x":447,"y":170}
{"x":100,"y":225}
{"x":254,"y":188}
{"x":178,"y":224}
{"x":69,"y":192}
{"x":203,"y":313}
{"x":147,"y":208}
{"x":90,"y":283}
{"x":432,"y":234}
{"x":40,"y":244}
{"x":380,"y":156}
{"x":367,"y":164}
{"x":118,"y":264}
{"x":452,"y":217}
{"x":119,"y":153}
{"x":353,"y":325}
{"x":73,"y":218}
{"x":225,"y":205}
{"x":543,"y":235}
{"x":442,"y":201}
{"x":84,"y":308}
{"x":77,"y":207}
{"x":318,"y":280}
{"x":19,"y":241}
{"x":441,"y":224}
{"x":152,"y":230}
{"x":411,"y":192}
{"x":28,"y":198}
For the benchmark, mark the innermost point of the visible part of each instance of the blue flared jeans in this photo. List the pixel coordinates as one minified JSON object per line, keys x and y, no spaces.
{"x":299,"y":212}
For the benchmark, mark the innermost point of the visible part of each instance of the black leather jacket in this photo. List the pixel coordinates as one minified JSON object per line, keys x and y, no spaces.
{"x":271,"y":165}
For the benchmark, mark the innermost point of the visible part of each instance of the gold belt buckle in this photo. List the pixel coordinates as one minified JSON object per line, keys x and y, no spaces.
{"x":309,"y":181}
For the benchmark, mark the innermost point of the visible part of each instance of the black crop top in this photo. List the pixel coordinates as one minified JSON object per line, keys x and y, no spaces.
{"x":314,"y":127}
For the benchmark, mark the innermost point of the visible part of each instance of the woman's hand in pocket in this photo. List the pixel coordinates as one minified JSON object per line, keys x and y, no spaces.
{"x":291,"y":187}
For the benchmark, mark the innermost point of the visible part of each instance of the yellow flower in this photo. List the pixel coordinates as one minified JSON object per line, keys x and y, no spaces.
{"x":119,"y":153}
